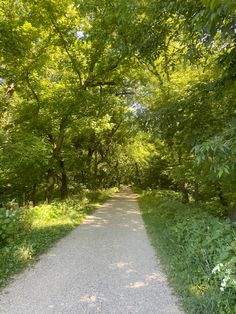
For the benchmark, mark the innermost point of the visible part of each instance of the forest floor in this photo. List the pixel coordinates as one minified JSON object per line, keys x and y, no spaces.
{"x":106,"y":265}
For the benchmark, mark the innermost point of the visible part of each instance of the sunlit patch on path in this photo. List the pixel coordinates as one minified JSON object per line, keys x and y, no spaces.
{"x":106,"y":265}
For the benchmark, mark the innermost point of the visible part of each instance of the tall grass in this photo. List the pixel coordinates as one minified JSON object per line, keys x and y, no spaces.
{"x":198,"y":252}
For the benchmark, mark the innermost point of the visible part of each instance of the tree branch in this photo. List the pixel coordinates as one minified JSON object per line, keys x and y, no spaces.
{"x":31,"y":88}
{"x":73,"y":61}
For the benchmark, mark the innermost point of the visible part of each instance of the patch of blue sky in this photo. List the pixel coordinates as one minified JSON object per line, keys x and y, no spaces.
{"x":79,"y":34}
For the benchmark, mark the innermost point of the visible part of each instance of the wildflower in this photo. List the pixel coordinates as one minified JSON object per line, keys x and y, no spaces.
{"x":223,"y":283}
{"x":217,"y":268}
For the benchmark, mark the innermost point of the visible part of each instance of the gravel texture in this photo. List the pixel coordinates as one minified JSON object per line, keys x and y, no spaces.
{"x":106,"y":265}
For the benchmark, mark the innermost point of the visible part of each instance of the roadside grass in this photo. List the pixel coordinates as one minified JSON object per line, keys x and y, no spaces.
{"x":37,"y":229}
{"x":197,"y":251}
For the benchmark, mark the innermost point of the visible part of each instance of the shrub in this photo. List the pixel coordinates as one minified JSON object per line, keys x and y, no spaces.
{"x":198,"y":249}
{"x":11,"y":223}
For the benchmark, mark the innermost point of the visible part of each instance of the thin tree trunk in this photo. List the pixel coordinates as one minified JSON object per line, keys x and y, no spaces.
{"x":118,"y":178}
{"x":33,"y":194}
{"x":185,"y":193}
{"x":64,"y":186}
{"x":232,"y":215}
{"x":64,"y":181}
{"x":221,"y":195}
{"x":23,"y":199}
{"x":95,"y":178}
{"x":137,"y":173}
{"x":50,"y":186}
{"x":57,"y":148}
{"x":196,"y":192}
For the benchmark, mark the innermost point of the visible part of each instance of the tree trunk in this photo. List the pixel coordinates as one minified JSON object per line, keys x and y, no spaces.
{"x":57,"y":148}
{"x":23,"y":199}
{"x":137,"y":172}
{"x":117,"y":179}
{"x":232,"y":215}
{"x":185,"y":193}
{"x":32,"y":197}
{"x":64,"y":181}
{"x":221,"y":195}
{"x":64,"y":186}
{"x":196,"y":192}
{"x":50,"y":186}
{"x":95,"y":175}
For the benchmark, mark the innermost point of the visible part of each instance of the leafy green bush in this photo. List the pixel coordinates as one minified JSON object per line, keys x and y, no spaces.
{"x":11,"y":223}
{"x":100,"y":195}
{"x":215,"y":208}
{"x":199,"y":251}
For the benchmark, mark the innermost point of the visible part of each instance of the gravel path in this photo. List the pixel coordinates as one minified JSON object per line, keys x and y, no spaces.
{"x":106,"y":265}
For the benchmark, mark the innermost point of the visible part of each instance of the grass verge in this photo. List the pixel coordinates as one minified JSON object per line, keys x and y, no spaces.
{"x":41,"y":227}
{"x":197,"y":250}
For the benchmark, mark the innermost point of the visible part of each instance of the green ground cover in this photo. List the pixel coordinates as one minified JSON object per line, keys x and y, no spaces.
{"x":26,"y":233}
{"x":198,"y":252}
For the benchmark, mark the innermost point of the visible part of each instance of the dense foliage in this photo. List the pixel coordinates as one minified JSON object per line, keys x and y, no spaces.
{"x":96,"y":94}
{"x":198,"y":250}
{"x":99,"y":93}
{"x":66,"y":101}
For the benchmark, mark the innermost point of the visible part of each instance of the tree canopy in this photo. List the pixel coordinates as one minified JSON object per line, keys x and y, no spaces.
{"x":101,"y":93}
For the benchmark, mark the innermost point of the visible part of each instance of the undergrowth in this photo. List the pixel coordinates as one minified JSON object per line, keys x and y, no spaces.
{"x":26,"y":233}
{"x":197,"y":250}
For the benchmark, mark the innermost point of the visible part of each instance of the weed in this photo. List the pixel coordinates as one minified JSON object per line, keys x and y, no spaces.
{"x":197,"y":249}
